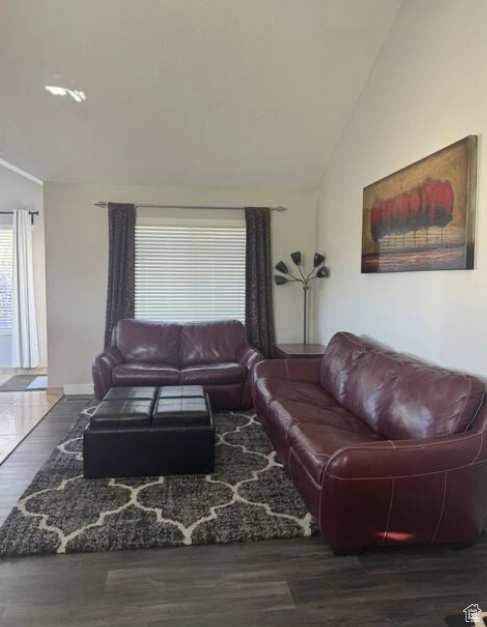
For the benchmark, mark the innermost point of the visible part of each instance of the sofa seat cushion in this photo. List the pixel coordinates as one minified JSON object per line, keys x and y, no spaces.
{"x":283,"y":415}
{"x":314,"y":444}
{"x":298,"y":392}
{"x":338,"y":418}
{"x":145,"y":374}
{"x":286,"y":413}
{"x":213,"y":374}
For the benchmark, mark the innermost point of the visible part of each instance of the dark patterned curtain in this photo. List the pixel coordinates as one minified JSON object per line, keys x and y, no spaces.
{"x":121,"y":266}
{"x":259,"y":303}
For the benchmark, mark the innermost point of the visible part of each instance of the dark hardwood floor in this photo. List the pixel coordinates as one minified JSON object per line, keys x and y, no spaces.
{"x":276,"y":583}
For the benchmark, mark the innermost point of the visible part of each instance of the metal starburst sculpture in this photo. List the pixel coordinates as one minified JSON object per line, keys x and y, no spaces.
{"x":319,"y":271}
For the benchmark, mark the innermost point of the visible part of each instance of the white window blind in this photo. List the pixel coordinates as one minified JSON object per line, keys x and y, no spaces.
{"x":6,"y":258}
{"x":190,"y":273}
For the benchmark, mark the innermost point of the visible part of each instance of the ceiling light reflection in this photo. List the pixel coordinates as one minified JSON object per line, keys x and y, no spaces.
{"x":76,"y":95}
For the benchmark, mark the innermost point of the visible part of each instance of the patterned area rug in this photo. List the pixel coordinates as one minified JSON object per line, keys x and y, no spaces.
{"x":249,"y":497}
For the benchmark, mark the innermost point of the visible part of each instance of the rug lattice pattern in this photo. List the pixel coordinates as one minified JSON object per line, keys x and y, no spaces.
{"x":249,"y":497}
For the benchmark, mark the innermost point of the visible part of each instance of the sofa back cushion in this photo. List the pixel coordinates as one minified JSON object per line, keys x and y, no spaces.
{"x":210,"y":342}
{"x":340,"y":358}
{"x":398,"y":397}
{"x":148,"y":342}
{"x":428,"y":402}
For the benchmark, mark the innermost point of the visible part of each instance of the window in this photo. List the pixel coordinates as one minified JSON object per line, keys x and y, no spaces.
{"x":6,"y":258}
{"x":190,"y":273}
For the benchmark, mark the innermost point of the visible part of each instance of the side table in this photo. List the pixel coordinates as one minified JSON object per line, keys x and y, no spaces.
{"x":293,"y":351}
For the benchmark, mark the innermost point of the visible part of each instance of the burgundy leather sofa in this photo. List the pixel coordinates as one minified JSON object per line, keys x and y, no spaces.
{"x":383,"y":449}
{"x":213,"y":354}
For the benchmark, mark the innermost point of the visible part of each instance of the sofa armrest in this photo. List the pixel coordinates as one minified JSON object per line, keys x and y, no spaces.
{"x":294,"y":369}
{"x":408,"y":458}
{"x":102,"y":368}
{"x":412,"y":492}
{"x":248,"y":356}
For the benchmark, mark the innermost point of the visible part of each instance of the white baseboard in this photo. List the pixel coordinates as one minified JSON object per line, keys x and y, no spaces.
{"x":71,"y":389}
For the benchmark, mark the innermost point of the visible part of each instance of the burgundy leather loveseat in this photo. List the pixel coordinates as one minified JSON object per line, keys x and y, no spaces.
{"x":383,"y":449}
{"x":213,"y":354}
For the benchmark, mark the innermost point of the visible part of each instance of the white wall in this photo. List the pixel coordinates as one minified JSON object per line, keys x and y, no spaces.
{"x":77,"y":261}
{"x":427,"y":90}
{"x":18,"y":192}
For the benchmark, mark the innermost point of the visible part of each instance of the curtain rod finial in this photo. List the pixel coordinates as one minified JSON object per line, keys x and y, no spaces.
{"x":100,"y":203}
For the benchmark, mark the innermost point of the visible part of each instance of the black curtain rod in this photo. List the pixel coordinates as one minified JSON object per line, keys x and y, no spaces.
{"x":105,"y":204}
{"x":31,"y":213}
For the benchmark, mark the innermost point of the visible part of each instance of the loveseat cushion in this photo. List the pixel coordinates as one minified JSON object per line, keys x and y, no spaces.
{"x":301,"y":392}
{"x":314,"y":444}
{"x":213,"y":374}
{"x":140,"y":341}
{"x":145,"y":374}
{"x":396,"y":396}
{"x":210,"y":342}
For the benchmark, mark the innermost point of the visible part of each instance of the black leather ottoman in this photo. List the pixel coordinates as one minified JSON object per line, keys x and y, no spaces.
{"x":150,"y":432}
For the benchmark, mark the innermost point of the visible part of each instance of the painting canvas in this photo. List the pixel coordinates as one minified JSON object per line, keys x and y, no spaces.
{"x":423,"y":217}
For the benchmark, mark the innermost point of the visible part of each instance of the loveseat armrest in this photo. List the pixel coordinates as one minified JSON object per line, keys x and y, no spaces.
{"x":102,"y":368}
{"x":249,"y":357}
{"x":415,"y":492}
{"x":293,"y":369}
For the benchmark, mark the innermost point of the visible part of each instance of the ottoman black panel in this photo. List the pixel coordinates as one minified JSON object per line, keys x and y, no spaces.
{"x":129,"y":438}
{"x":122,"y":414}
{"x":181,"y":391}
{"x":131,"y":393}
{"x":144,"y":453}
{"x":180,"y":411}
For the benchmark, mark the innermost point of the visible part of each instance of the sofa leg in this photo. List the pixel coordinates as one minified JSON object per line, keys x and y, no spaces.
{"x":460,"y":546}
{"x":345,"y":552}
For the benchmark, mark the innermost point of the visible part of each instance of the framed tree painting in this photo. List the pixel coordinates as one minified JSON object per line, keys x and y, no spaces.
{"x":423,"y":217}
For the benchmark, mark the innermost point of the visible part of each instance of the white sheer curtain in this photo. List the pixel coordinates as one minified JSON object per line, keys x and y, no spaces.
{"x":25,"y":351}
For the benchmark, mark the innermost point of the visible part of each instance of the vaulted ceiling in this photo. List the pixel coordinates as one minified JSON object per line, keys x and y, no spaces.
{"x":186,"y":93}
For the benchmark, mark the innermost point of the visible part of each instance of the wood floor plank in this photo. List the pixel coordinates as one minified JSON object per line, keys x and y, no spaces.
{"x":18,"y":470}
